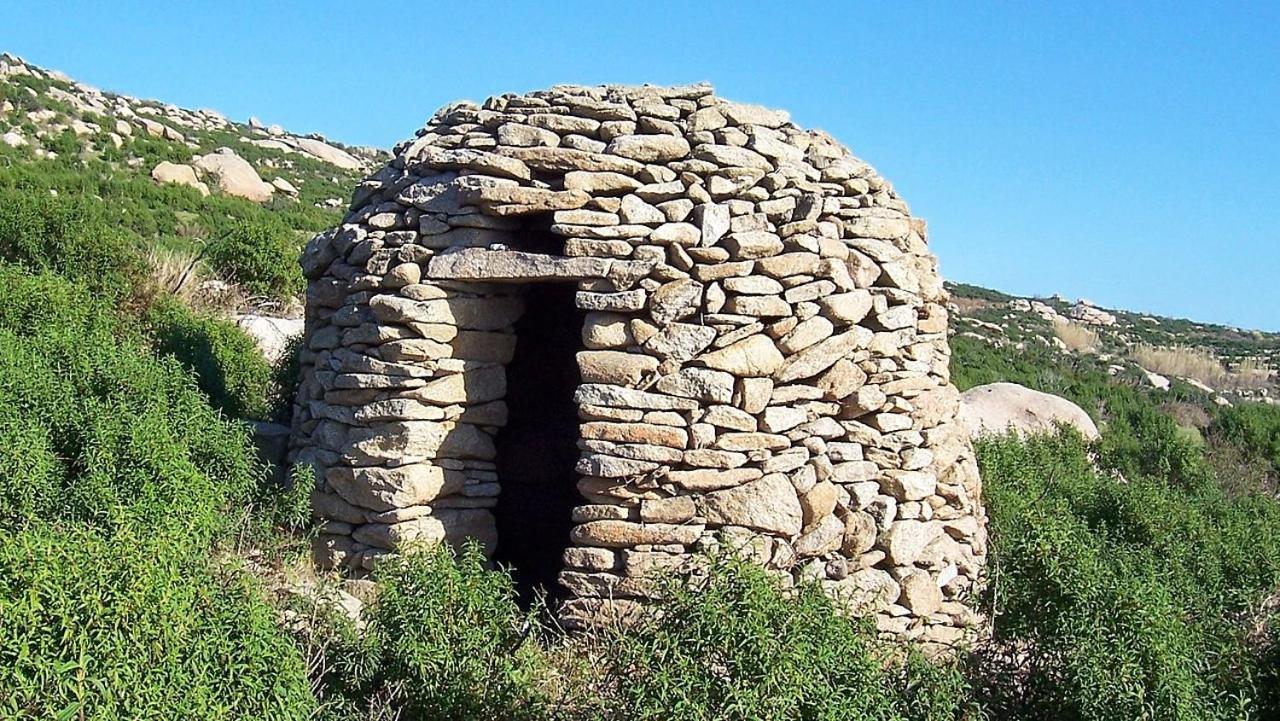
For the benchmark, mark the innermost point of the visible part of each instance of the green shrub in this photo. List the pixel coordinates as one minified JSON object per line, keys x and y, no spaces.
{"x":1122,"y":600}
{"x":70,"y":238}
{"x":94,"y":429}
{"x":1252,"y":427}
{"x":291,"y":508}
{"x":964,"y":290}
{"x":66,"y":144}
{"x":225,"y":361}
{"x":118,"y":477}
{"x":445,"y":638}
{"x":262,"y":256}
{"x":1140,"y":439}
{"x":285,"y":380}
{"x":137,"y":626}
{"x":737,"y":647}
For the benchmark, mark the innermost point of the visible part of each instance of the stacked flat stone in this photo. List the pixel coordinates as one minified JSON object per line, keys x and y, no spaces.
{"x":764,"y":357}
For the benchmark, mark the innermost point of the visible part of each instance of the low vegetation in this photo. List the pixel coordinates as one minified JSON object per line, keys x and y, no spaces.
{"x":59,"y":184}
{"x":445,"y":639}
{"x":1124,"y":600}
{"x":226,"y":363}
{"x":261,"y":256}
{"x":119,"y":481}
{"x":1254,"y":429}
{"x":732,"y":645}
{"x":44,"y":233}
{"x":137,"y":625}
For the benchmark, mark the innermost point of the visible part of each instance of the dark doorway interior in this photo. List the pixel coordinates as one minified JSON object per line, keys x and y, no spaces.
{"x":537,"y":450}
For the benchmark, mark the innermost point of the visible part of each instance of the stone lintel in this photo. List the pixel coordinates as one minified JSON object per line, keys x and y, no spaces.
{"x":514,"y":266}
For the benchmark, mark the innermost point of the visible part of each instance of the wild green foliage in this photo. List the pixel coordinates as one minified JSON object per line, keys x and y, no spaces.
{"x":225,"y":361}
{"x":964,"y":290}
{"x":291,"y":508}
{"x":1122,"y":600}
{"x":260,"y":255}
{"x":1137,"y":438}
{"x":138,"y":625}
{"x":116,"y":480}
{"x":285,"y":379}
{"x":26,"y":92}
{"x":445,"y":638}
{"x":1130,"y":597}
{"x":95,"y":430}
{"x":735,"y":646}
{"x":121,"y":488}
{"x":975,"y":362}
{"x":102,"y":212}
{"x":1253,"y":427}
{"x":69,"y":237}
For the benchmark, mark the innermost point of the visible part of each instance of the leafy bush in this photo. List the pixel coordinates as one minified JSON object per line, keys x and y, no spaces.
{"x":137,"y":626}
{"x":225,"y":361}
{"x":69,"y":238}
{"x":117,"y":479}
{"x":1253,"y":427}
{"x":964,"y":290}
{"x":1122,"y":600}
{"x":285,"y":380}
{"x":445,"y":638}
{"x":262,"y":256}
{"x":737,"y":647}
{"x":93,"y":429}
{"x":1139,"y":439}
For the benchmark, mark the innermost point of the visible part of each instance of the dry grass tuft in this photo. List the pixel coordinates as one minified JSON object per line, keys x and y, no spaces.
{"x":1199,"y":364}
{"x":183,"y":275}
{"x":1077,"y":337}
{"x":1252,"y":373}
{"x":969,"y":306}
{"x":175,"y":272}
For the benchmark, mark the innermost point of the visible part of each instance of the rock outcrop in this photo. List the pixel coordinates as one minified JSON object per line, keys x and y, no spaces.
{"x":1086,"y":312}
{"x":235,"y":176}
{"x":326,"y":152}
{"x":272,"y":334}
{"x":764,"y":359}
{"x":179,"y":174}
{"x":1003,"y":407}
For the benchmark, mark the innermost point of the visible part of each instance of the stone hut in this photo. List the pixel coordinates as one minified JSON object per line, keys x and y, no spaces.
{"x":601,"y":329}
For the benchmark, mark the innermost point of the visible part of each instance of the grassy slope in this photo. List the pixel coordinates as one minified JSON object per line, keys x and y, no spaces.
{"x":999,"y":319}
{"x":115,"y":173}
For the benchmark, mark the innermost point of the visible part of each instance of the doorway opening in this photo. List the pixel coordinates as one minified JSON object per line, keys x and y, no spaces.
{"x":537,"y":450}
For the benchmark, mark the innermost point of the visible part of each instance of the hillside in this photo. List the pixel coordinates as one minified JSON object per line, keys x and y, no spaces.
{"x":1229,"y":364}
{"x":48,"y":116}
{"x":155,"y":560}
{"x":187,"y":186}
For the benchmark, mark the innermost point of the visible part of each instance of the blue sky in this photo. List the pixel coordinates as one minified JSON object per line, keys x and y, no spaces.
{"x":1124,"y":152}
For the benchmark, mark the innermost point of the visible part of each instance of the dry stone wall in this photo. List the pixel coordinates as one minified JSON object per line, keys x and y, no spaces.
{"x":764,"y":358}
